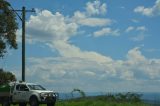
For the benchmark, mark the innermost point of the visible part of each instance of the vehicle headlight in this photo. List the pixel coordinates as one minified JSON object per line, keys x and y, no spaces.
{"x":43,"y":95}
{"x":53,"y":94}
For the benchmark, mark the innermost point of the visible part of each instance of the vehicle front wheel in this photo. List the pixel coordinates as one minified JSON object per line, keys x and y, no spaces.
{"x":33,"y":101}
{"x":51,"y":104}
{"x":22,"y":104}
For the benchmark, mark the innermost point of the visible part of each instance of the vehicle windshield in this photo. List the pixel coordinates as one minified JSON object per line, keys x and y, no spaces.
{"x":36,"y":87}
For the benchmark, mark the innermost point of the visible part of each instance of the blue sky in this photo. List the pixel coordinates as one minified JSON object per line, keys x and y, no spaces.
{"x":93,"y":45}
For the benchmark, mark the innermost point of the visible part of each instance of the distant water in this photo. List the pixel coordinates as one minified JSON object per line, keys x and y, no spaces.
{"x":64,"y":96}
{"x":151,"y":98}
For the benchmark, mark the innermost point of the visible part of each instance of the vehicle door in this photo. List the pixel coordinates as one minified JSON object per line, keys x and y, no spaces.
{"x":24,"y":91}
{"x":16,"y":94}
{"x":20,"y":93}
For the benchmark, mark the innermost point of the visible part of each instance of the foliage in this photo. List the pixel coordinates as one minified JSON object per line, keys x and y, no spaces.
{"x":98,"y":101}
{"x":8,"y":27}
{"x":129,"y":97}
{"x":82,"y":93}
{"x":6,"y":77}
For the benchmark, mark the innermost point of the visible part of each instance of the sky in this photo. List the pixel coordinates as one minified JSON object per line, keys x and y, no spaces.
{"x":93,"y":45}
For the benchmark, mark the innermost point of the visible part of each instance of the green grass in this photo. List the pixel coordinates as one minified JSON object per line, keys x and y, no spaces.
{"x":93,"y":103}
{"x":97,"y":102}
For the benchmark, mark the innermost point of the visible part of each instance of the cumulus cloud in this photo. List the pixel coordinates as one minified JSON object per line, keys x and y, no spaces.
{"x":144,"y":11}
{"x":94,"y":22}
{"x":65,"y":26}
{"x":140,"y":32}
{"x":56,"y":33}
{"x":62,"y":70}
{"x":151,"y":11}
{"x":139,"y":37}
{"x":106,"y":32}
{"x":130,"y":28}
{"x":141,"y":28}
{"x":72,"y":62}
{"x":56,"y":27}
{"x":82,"y":18}
{"x":135,"y":20}
{"x":88,"y":17}
{"x":138,"y":28}
{"x":140,"y":63}
{"x":135,"y":55}
{"x":96,"y":8}
{"x":76,"y":68}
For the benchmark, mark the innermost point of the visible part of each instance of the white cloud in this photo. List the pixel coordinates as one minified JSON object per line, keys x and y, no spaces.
{"x":79,"y":15}
{"x":141,"y":28}
{"x":96,"y":8}
{"x":144,"y":11}
{"x":94,"y":22}
{"x":106,"y":32}
{"x":127,"y":75}
{"x":70,"y":72}
{"x":135,"y":55}
{"x":76,"y":68}
{"x":140,"y":32}
{"x":63,"y":70}
{"x":56,"y":27}
{"x":87,"y":18}
{"x":67,"y":50}
{"x":138,"y":28}
{"x":83,"y":19}
{"x":130,"y":28}
{"x":135,"y":20}
{"x":139,"y":37}
{"x":152,"y":11}
{"x":147,"y":67}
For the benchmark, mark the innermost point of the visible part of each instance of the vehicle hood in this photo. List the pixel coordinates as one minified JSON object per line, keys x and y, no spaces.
{"x":42,"y":91}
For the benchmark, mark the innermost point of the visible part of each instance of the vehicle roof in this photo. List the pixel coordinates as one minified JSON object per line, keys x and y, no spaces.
{"x":26,"y":83}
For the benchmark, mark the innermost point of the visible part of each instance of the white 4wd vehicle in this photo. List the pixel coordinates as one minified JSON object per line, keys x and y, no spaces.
{"x":23,"y":93}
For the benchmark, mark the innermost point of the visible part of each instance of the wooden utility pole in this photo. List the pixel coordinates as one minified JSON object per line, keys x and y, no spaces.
{"x":23,"y":19}
{"x":23,"y":42}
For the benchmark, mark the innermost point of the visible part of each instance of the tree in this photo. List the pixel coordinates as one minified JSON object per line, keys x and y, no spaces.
{"x":6,"y":77}
{"x":82,"y":93}
{"x":8,"y":28}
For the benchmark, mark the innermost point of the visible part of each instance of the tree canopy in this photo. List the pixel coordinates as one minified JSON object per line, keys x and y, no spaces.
{"x":6,"y":77}
{"x":8,"y":28}
{"x":82,"y":93}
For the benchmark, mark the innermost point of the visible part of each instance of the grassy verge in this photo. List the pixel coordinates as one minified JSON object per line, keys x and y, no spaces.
{"x":97,"y":102}
{"x":92,"y":103}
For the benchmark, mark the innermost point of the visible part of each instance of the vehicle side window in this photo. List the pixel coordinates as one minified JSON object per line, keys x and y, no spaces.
{"x":23,"y":88}
{"x":17,"y":87}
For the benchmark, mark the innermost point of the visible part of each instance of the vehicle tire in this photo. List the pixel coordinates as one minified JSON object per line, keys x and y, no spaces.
{"x":5,"y":102}
{"x":22,"y":104}
{"x":52,"y":103}
{"x":33,"y":101}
